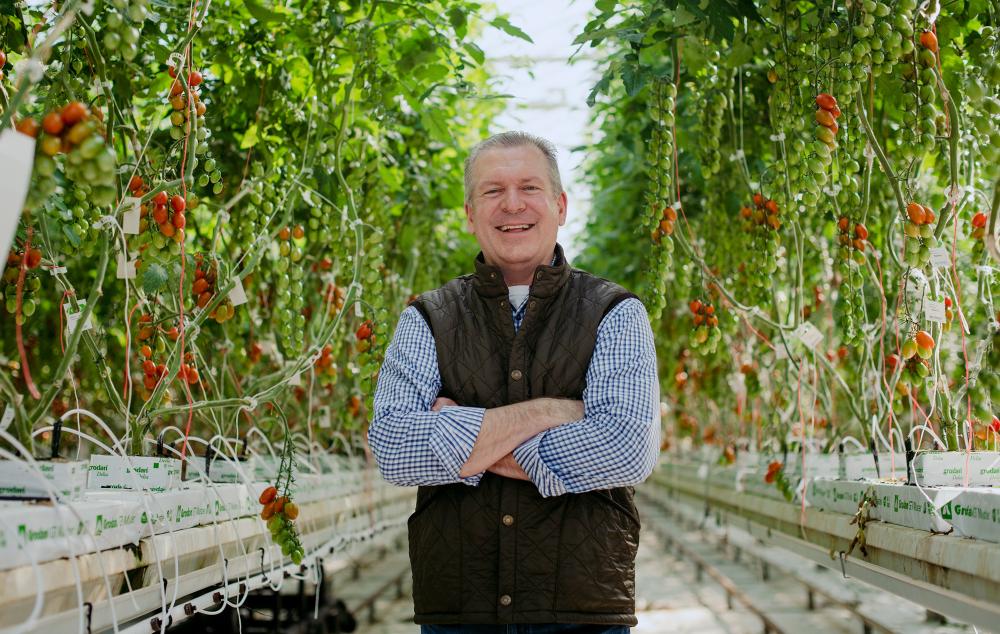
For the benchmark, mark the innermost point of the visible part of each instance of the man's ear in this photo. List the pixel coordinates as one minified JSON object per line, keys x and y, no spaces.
{"x":562,"y":202}
{"x":468,"y":218}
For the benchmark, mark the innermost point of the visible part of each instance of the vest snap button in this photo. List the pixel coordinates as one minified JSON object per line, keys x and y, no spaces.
{"x":516,"y":375}
{"x":538,"y":275}
{"x":493,"y":275}
{"x":532,"y":304}
{"x":505,"y":600}
{"x":508,"y":520}
{"x":503,"y":304}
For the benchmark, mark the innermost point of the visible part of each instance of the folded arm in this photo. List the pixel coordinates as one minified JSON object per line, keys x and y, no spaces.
{"x":616,"y":443}
{"x":418,"y":439}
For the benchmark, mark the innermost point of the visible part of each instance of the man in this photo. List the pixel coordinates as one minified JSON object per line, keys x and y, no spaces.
{"x":523,"y":401}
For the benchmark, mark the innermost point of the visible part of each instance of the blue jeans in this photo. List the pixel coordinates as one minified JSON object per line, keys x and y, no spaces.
{"x":544,"y":628}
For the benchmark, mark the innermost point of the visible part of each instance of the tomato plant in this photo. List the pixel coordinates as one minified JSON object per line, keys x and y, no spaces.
{"x":834,"y":169}
{"x":238,"y":191}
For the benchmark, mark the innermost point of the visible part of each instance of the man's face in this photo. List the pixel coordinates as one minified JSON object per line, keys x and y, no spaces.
{"x":513,"y":210}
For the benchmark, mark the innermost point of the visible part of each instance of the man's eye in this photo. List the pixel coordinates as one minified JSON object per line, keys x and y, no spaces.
{"x":491,"y":191}
{"x":530,"y":187}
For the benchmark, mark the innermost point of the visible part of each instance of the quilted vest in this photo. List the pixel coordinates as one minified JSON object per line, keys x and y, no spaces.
{"x":500,"y":552}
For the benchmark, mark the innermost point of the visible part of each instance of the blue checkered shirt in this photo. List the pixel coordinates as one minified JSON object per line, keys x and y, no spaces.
{"x":615,"y":444}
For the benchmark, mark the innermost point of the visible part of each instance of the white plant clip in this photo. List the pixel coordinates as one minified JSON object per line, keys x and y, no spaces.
{"x":105,"y":221}
{"x":175,"y":60}
{"x":955,"y":194}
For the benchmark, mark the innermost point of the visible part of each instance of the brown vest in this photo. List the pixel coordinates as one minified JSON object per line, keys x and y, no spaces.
{"x":500,"y":552}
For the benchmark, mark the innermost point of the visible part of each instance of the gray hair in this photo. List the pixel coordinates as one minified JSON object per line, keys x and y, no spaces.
{"x":509,"y":140}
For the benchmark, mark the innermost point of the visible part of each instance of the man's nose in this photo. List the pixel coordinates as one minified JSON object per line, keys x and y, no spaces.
{"x":512,"y":200}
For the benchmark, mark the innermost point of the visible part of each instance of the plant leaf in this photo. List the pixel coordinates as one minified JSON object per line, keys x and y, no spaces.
{"x":154,"y":276}
{"x":504,"y":25}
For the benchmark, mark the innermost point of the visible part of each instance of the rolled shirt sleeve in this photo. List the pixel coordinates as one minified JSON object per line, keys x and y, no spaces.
{"x":412,"y":445}
{"x":617,"y":441}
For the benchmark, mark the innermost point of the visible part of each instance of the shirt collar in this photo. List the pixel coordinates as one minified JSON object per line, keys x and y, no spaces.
{"x":546,"y":281}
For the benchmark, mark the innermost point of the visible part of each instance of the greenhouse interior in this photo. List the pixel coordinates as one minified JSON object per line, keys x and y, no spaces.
{"x":290,"y":343}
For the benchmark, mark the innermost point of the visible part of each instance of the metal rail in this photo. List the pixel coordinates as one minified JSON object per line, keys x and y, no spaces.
{"x":956,"y":577}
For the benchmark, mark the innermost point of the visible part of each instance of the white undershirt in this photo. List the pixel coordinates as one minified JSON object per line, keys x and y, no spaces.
{"x":517,"y":295}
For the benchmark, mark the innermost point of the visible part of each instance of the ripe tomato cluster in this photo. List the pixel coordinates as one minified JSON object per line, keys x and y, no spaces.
{"x":665,"y":227}
{"x":916,"y":351}
{"x":204,"y":288}
{"x":826,"y":118}
{"x":153,"y":371}
{"x":32,"y":283}
{"x":977,"y":232}
{"x":853,"y":238}
{"x":706,"y":326}
{"x":78,"y":133}
{"x":188,"y":372}
{"x":919,"y":234}
{"x":772,"y":471}
{"x":764,"y":214}
{"x":325,"y":365}
{"x":365,"y":336}
{"x":179,"y":96}
{"x":151,"y":338}
{"x":280,"y":514}
{"x":928,"y":55}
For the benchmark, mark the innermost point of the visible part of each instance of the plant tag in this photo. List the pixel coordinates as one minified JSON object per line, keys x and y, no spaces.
{"x":57,"y":270}
{"x":809,"y":335}
{"x":324,"y":419}
{"x":126,"y":269}
{"x":779,"y":351}
{"x":7,"y":418}
{"x":295,"y":380}
{"x":934,"y":311}
{"x":940,"y":259}
{"x":73,"y":317}
{"x":17,"y":153}
{"x":237,"y":295}
{"x":130,"y":221}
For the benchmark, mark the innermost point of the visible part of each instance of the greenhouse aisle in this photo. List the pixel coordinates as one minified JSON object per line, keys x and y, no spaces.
{"x":667,"y":600}
{"x":672,"y":597}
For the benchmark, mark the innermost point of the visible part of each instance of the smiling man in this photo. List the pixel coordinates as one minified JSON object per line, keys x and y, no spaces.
{"x":523,"y":400}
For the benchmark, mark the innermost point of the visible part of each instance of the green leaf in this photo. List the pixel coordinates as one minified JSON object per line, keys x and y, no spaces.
{"x":601,"y":86}
{"x":504,"y":25}
{"x":605,"y":6}
{"x":458,"y":18}
{"x":596,"y":35}
{"x":633,"y":78}
{"x":475,"y":52}
{"x":154,"y":276}
{"x":70,"y":234}
{"x":249,"y":137}
{"x":436,"y":125}
{"x":261,"y":13}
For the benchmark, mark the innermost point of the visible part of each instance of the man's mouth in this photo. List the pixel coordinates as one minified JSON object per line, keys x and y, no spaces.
{"x":520,"y":228}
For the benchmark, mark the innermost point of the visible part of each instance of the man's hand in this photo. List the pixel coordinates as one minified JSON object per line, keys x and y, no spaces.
{"x":440,"y":402}
{"x":505,"y":428}
{"x":508,"y":468}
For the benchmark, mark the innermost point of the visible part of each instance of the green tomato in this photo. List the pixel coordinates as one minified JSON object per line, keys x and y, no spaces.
{"x":112,"y":40}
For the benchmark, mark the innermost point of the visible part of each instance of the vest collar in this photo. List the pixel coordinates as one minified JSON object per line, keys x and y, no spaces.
{"x":546,"y":281}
